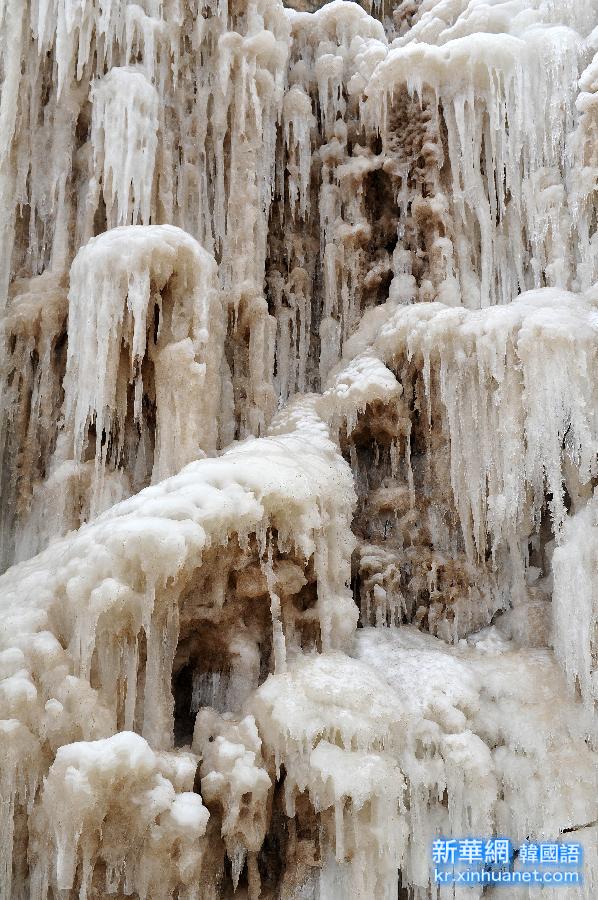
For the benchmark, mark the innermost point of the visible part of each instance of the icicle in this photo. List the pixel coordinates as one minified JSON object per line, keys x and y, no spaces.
{"x":124,"y":139}
{"x":161,"y":637}
{"x":575,"y":602}
{"x":278,"y":639}
{"x":482,"y":83}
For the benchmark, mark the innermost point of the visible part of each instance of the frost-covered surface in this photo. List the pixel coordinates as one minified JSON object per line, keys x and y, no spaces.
{"x":300,"y":333}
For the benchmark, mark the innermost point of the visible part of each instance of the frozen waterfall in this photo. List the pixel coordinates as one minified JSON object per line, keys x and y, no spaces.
{"x":298,"y":445}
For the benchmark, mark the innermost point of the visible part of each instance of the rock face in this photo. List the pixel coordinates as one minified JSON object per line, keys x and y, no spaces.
{"x":298,"y":443}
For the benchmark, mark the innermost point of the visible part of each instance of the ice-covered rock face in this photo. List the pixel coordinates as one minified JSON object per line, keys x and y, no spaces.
{"x":300,"y":333}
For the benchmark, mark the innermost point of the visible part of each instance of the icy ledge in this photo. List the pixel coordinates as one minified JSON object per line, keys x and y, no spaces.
{"x":516,"y":391}
{"x":90,"y":626}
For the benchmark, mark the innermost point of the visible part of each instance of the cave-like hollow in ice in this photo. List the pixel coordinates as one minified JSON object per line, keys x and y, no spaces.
{"x":299,"y":443}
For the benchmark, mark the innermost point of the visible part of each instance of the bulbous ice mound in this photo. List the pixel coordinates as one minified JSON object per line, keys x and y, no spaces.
{"x":300,"y":335}
{"x":115,"y":802}
{"x":378,"y":740}
{"x":146,"y":293}
{"x":89,"y":644}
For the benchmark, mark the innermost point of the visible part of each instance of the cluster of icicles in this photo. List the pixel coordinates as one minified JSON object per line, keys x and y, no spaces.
{"x":300,"y":334}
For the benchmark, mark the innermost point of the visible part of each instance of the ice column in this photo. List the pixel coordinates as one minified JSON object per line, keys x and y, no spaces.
{"x":575,"y":602}
{"x":124,"y":138}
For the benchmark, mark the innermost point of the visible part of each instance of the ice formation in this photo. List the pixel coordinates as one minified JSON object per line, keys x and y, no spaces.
{"x":575,"y":605}
{"x":97,"y":789}
{"x":298,"y":443}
